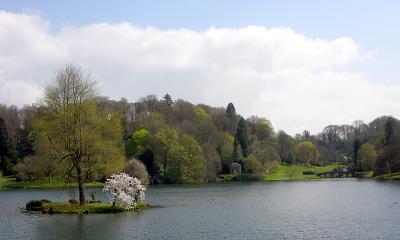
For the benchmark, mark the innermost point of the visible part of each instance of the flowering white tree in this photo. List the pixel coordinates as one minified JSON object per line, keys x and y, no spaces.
{"x":124,"y":190}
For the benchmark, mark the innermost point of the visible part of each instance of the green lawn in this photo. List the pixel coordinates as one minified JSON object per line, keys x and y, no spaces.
{"x":89,"y":208}
{"x":11,"y":183}
{"x":390,"y":176}
{"x":295,"y":172}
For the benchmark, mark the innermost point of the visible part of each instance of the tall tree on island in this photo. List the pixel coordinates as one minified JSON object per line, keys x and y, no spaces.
{"x":78,"y":134}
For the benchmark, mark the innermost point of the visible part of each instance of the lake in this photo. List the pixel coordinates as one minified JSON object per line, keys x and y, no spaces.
{"x":326,"y":209}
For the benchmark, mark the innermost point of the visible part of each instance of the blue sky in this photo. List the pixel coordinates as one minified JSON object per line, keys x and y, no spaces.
{"x":326,"y":54}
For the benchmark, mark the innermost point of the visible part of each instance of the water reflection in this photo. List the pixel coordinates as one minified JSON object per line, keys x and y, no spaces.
{"x":333,"y":209}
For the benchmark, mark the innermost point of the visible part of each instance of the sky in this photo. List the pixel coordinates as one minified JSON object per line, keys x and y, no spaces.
{"x":301,"y":64}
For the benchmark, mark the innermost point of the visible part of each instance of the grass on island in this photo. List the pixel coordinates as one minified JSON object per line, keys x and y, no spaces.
{"x":89,"y":208}
{"x":11,"y":183}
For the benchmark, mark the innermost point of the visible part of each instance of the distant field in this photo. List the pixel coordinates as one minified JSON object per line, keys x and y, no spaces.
{"x":283,"y":172}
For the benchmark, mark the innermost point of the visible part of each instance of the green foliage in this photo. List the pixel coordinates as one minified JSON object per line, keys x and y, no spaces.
{"x":252,"y":165}
{"x":242,"y":137}
{"x":200,"y":114}
{"x":34,"y":205}
{"x":225,"y":150}
{"x":367,"y":157}
{"x":307,"y":153}
{"x":138,"y":143}
{"x":90,"y":208}
{"x":5,"y":161}
{"x":247,"y":177}
{"x":295,"y":172}
{"x":260,"y":127}
{"x":73,"y":201}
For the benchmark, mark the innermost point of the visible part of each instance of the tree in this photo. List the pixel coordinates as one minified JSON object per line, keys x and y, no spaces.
{"x":231,"y":119}
{"x":125,"y":190}
{"x":252,"y":165}
{"x":230,"y":111}
{"x":196,"y":161}
{"x":260,"y":127}
{"x":241,"y":136}
{"x":167,"y":100}
{"x":178,"y":170}
{"x":306,"y":134}
{"x":225,"y":149}
{"x":213,"y":162}
{"x":6,"y":165}
{"x":390,"y":131}
{"x":306,"y":152}
{"x":367,"y":157}
{"x":138,"y":143}
{"x":136,"y":169}
{"x":186,"y":162}
{"x":164,"y":140}
{"x":76,"y":133}
{"x":356,"y":148}
{"x":285,"y":147}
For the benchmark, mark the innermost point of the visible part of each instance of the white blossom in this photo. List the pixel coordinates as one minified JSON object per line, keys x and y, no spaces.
{"x":124,"y":190}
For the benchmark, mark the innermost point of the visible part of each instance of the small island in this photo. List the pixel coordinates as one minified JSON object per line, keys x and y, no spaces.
{"x":126,"y":194}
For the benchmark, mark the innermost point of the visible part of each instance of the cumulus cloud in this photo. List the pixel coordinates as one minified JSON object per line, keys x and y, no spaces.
{"x":277,"y":73}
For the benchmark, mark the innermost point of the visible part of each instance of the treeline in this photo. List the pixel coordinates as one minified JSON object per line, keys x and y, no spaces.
{"x":170,"y":141}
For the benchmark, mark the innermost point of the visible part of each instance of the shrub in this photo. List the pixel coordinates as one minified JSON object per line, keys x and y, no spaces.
{"x":73,"y":201}
{"x":137,"y":169}
{"x":34,"y":205}
{"x":247,"y":177}
{"x":45,"y":201}
{"x":309,"y":172}
{"x":98,"y":201}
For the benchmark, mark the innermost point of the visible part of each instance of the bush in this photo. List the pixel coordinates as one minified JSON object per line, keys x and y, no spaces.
{"x":309,"y":172}
{"x":247,"y":177}
{"x":73,"y":201}
{"x":98,"y":201}
{"x":34,"y":205}
{"x":45,"y":201}
{"x":137,"y":169}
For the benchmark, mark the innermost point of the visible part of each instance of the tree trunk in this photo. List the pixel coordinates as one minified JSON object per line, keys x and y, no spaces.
{"x":165,"y":168}
{"x":81,"y":186}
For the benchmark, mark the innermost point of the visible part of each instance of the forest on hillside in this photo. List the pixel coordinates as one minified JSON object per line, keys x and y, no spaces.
{"x":170,"y":140}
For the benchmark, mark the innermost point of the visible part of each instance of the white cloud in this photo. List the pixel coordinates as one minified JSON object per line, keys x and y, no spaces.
{"x":287,"y":77}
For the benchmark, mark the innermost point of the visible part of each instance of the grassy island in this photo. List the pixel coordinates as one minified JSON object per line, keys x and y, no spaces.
{"x":48,"y":207}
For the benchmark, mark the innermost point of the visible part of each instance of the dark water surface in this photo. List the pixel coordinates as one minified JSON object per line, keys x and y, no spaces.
{"x":329,"y":209}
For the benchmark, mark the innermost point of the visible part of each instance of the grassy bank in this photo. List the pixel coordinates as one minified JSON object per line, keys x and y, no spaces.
{"x":89,"y":208}
{"x":390,"y":176}
{"x":11,"y":183}
{"x":282,"y":173}
{"x":295,"y":172}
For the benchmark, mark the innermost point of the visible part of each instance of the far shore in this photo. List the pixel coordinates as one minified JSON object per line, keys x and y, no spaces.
{"x":282,"y":173}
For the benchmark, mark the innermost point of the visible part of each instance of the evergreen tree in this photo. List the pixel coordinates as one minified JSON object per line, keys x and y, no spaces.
{"x":167,"y":100}
{"x":241,"y":136}
{"x":230,"y":111}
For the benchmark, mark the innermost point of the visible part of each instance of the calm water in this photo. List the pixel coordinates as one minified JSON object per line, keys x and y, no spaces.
{"x":331,"y":209}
